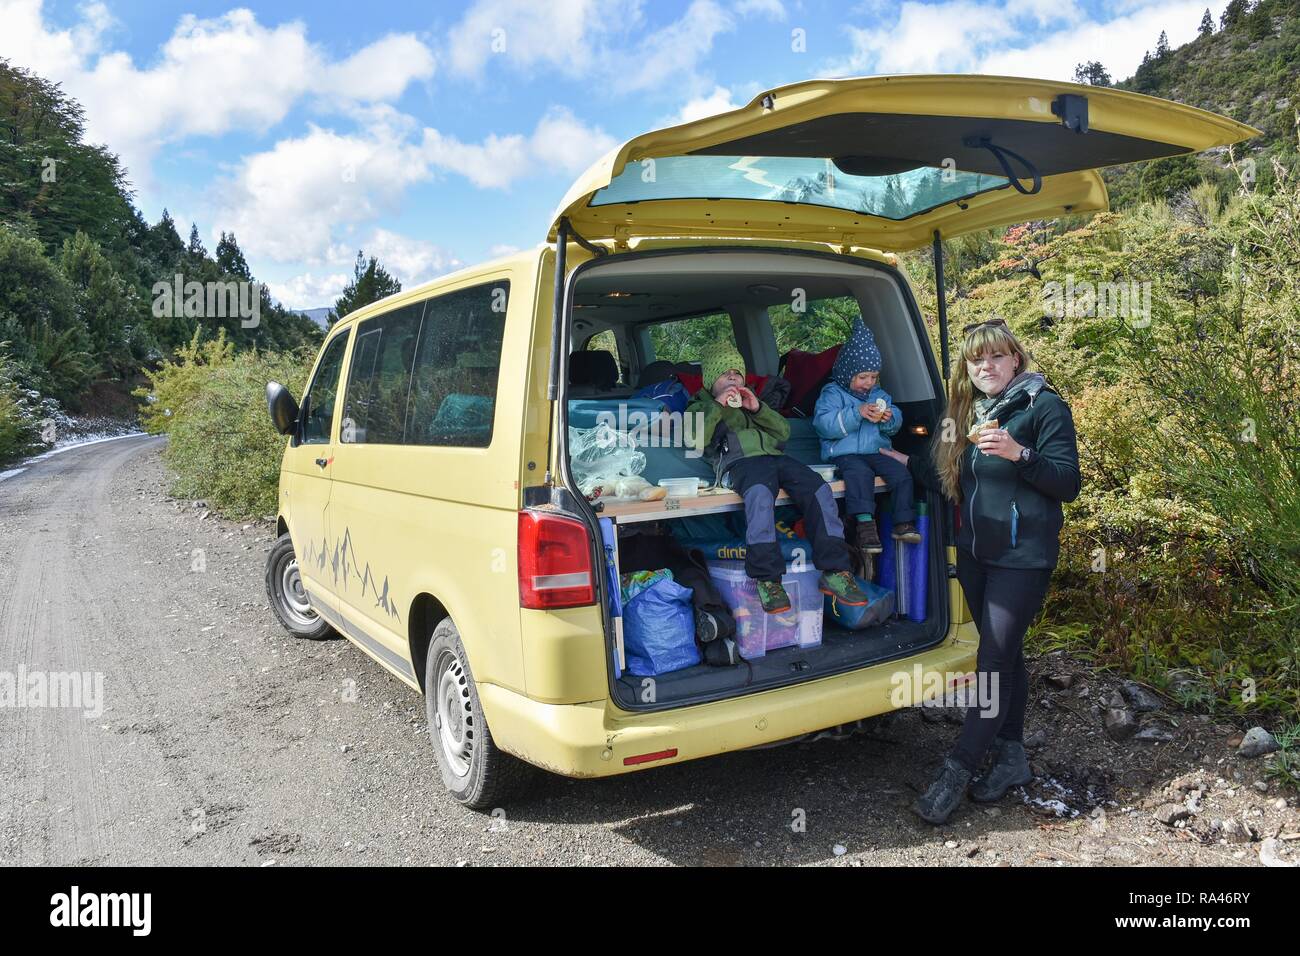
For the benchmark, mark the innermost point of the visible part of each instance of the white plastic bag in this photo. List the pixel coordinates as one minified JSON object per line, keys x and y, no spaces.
{"x":602,"y":456}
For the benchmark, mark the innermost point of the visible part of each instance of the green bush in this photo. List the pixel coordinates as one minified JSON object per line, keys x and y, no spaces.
{"x":1183,"y":550}
{"x":211,"y":403}
{"x":21,"y":411}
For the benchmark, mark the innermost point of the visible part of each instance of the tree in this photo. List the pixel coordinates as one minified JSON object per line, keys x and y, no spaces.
{"x":1234,"y":13}
{"x":165,"y":241}
{"x":1207,"y":24}
{"x":1092,"y":73}
{"x":39,"y":317}
{"x":108,"y":307}
{"x":370,"y":283}
{"x":1162,"y":46}
{"x":230,"y":258}
{"x":49,"y":178}
{"x":196,"y":244}
{"x":1259,"y":22}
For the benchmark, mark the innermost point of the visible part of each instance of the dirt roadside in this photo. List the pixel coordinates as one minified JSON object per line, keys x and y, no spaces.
{"x":224,"y":740}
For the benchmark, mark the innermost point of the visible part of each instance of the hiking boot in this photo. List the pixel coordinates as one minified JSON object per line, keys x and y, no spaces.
{"x":945,"y":794}
{"x":907,"y":533}
{"x":706,"y":627}
{"x":771,"y":594}
{"x":1010,"y":769}
{"x":841,"y":586}
{"x":723,"y":653}
{"x":869,"y":538}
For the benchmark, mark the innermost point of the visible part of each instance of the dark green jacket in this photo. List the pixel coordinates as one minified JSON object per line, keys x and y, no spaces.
{"x":726,"y":435}
{"x":1011,"y":513}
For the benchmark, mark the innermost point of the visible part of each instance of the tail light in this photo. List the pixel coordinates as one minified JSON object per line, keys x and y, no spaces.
{"x":555,"y":567}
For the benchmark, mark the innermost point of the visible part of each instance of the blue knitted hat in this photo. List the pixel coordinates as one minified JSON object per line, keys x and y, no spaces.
{"x":859,"y":354}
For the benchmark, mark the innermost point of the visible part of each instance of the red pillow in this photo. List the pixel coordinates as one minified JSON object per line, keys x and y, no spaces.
{"x":805,"y":371}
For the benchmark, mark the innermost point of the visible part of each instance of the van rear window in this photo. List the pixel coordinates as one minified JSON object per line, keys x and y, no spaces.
{"x":795,"y":179}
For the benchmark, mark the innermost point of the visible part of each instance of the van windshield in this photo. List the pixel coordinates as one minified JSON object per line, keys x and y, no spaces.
{"x":798,"y":179}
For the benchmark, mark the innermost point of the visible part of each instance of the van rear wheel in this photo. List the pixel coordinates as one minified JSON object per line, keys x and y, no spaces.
{"x":287,"y":595}
{"x":477,"y":772}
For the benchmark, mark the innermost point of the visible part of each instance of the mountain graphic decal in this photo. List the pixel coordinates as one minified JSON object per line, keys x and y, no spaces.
{"x":346,"y":568}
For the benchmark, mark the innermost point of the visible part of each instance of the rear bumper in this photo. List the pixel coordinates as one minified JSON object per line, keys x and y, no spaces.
{"x":595,"y":739}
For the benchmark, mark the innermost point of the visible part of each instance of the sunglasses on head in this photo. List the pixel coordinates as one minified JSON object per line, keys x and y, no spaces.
{"x":990,"y":322}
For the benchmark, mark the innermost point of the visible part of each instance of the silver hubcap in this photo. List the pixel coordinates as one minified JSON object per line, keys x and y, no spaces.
{"x":454,"y":717}
{"x":294,"y":599}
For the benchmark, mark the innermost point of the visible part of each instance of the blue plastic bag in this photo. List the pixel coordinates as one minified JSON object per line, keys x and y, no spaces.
{"x":672,"y":393}
{"x":878,"y":610}
{"x":659,"y":630}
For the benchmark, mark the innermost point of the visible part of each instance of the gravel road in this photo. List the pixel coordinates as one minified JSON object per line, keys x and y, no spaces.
{"x":224,"y":740}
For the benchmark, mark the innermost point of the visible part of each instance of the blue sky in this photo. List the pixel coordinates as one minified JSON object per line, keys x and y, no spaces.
{"x":436,"y":135}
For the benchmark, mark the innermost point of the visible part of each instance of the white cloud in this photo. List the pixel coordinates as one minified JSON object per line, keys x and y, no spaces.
{"x":667,"y":58}
{"x":563,"y":142}
{"x":309,"y":291}
{"x":411,"y":261}
{"x":718,"y":101}
{"x":1119,"y":43}
{"x":286,"y":203}
{"x":772,"y":9}
{"x":211,"y":76}
{"x":299,"y":200}
{"x":565,"y":35}
{"x":604,"y":42}
{"x":1041,"y":38}
{"x":925,"y":38}
{"x":380,"y":71}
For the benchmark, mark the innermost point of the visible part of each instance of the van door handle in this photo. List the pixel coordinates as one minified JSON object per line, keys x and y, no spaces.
{"x":322,"y":462}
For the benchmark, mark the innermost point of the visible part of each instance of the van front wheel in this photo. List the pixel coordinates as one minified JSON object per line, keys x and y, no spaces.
{"x":287,"y":595}
{"x":474,"y":769}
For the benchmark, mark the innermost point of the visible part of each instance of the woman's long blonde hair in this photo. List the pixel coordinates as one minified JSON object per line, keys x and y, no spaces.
{"x":950,"y":439}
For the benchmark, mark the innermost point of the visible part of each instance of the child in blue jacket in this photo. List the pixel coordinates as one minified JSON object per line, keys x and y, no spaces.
{"x":855,"y":418}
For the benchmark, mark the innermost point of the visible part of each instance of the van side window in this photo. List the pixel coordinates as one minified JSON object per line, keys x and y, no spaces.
{"x":606,"y":342}
{"x":683,"y":340}
{"x":820,"y":324}
{"x":453,"y":392}
{"x":318,"y":403}
{"x":374,"y":411}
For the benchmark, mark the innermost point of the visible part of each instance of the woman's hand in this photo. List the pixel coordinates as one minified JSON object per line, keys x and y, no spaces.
{"x":999,"y":443}
{"x":896,"y":455}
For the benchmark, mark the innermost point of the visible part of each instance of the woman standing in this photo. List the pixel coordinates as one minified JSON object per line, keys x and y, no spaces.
{"x":1009,"y":456}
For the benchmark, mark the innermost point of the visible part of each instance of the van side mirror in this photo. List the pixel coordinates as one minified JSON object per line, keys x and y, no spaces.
{"x":283,"y":408}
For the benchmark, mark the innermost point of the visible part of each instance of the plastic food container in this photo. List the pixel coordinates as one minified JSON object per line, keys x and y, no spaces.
{"x":681,"y":487}
{"x":758,"y":632}
{"x":826,"y":471}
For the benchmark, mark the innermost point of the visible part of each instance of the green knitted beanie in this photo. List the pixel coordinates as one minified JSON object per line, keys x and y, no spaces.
{"x":717,"y":359}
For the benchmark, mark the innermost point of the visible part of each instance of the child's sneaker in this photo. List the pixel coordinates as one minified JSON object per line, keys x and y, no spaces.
{"x":869,"y":538}
{"x":771,"y":594}
{"x":907,"y":533}
{"x":841,"y":586}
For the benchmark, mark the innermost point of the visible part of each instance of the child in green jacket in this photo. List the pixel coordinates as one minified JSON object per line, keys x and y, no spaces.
{"x":745,"y":438}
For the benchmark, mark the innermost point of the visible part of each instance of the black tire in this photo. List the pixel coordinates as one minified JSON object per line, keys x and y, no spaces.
{"x":288,"y":599}
{"x":475,"y":771}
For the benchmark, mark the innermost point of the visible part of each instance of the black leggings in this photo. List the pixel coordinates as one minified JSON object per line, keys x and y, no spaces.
{"x":1003,"y":602}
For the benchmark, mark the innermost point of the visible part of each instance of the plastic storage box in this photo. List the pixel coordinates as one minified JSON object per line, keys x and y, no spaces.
{"x":758,"y":632}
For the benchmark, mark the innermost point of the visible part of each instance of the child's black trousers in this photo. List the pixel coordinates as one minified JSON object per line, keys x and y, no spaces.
{"x":757,"y":480}
{"x":860,"y":473}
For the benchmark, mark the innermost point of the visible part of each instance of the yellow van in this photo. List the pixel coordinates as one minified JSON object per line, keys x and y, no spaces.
{"x":429,"y":510}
